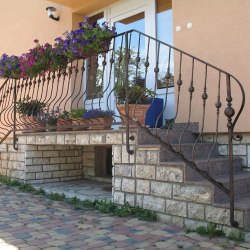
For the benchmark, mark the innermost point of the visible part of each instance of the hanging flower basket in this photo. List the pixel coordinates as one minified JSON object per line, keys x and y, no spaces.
{"x":104,"y":48}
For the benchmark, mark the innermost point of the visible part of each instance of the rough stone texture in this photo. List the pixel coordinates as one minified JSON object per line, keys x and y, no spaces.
{"x":178,"y":208}
{"x":113,"y":138}
{"x":154,"y":203}
{"x":82,"y":139}
{"x":97,"y":139}
{"x":50,"y":139}
{"x":127,"y":158}
{"x":239,"y":149}
{"x":60,"y":139}
{"x":143,"y":187}
{"x":130,"y":199}
{"x":161,"y":189}
{"x":139,"y":200}
{"x":70,"y":139}
{"x":124,"y":170}
{"x":128,"y":185}
{"x":152,"y":156}
{"x":223,"y":150}
{"x":178,"y":221}
{"x":117,"y":154}
{"x":34,"y":169}
{"x":141,"y":156}
{"x":50,"y":168}
{"x":31,"y":139}
{"x":198,"y":194}
{"x":167,"y":173}
{"x":145,"y":171}
{"x":117,"y":184}
{"x":194,"y":224}
{"x":164,"y":218}
{"x":222,"y":215}
{"x":118,"y":197}
{"x":196,"y":211}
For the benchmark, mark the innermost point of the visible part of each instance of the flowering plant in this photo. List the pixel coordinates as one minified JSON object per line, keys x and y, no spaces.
{"x":9,"y":66}
{"x":36,"y":61}
{"x":97,"y":113}
{"x":49,"y":117}
{"x":87,"y":38}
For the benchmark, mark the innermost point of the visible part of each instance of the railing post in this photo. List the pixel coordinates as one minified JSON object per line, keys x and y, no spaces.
{"x":229,"y":112}
{"x":127,"y":93}
{"x":14,"y":123}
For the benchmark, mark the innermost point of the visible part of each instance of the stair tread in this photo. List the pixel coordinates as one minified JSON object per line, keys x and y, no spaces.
{"x":200,"y":160}
{"x":224,"y":178}
{"x":241,"y":202}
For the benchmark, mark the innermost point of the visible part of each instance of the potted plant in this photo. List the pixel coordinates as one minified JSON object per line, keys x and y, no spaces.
{"x":9,"y":67}
{"x":29,"y":111}
{"x":37,"y":61}
{"x":64,"y":122}
{"x":77,"y":118}
{"x":50,"y":119}
{"x":99,"y":119}
{"x":87,"y":40}
{"x":139,"y":100}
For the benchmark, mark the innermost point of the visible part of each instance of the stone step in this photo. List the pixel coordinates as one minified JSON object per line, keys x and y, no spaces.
{"x":202,"y":151}
{"x":242,"y":203}
{"x":215,"y":166}
{"x":241,"y":186}
{"x":168,"y":136}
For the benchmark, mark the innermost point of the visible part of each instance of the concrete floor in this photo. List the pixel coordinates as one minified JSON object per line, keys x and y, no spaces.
{"x":83,"y":189}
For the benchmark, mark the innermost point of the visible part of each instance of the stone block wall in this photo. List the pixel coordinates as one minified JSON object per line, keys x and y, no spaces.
{"x":41,"y":163}
{"x":241,"y":149}
{"x":145,"y":182}
{"x":139,"y":179}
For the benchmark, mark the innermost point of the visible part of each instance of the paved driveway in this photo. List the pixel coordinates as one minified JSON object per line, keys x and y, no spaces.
{"x":33,"y":222}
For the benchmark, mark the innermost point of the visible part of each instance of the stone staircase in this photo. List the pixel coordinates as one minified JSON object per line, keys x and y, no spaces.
{"x":193,"y":187}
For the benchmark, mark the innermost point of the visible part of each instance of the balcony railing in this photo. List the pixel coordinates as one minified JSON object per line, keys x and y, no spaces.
{"x":139,"y":71}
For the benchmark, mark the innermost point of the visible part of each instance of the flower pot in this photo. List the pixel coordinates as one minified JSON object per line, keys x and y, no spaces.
{"x":64,"y":124}
{"x":80,"y":124}
{"x":51,"y":126}
{"x":136,"y":111}
{"x":86,"y":54}
{"x":101,"y":123}
{"x":31,"y":125}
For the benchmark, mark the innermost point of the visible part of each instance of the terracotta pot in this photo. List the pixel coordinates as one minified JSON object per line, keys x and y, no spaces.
{"x":80,"y":124}
{"x":31,"y":125}
{"x":64,"y":124}
{"x":136,"y":111}
{"x":101,"y":123}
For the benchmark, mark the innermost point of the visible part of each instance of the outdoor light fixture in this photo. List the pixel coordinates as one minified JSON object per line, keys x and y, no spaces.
{"x":52,"y":13}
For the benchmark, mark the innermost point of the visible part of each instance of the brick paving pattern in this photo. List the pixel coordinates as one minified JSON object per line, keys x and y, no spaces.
{"x":33,"y":222}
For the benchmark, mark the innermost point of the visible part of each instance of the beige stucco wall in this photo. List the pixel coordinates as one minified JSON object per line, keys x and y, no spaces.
{"x":220,"y":35}
{"x":22,"y":21}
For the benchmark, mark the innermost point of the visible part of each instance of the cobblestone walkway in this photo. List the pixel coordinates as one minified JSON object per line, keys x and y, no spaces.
{"x":32,"y":222}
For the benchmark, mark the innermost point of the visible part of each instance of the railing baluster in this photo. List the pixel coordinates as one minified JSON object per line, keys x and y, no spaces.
{"x":229,"y":112}
{"x":204,"y":99}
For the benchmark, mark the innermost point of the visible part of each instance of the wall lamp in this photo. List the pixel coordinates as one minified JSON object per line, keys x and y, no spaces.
{"x":52,"y":13}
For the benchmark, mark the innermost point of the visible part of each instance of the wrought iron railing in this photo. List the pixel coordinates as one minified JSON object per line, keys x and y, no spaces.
{"x":115,"y":80}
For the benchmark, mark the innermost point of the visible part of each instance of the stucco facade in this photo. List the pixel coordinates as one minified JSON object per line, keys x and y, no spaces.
{"x":218,"y":35}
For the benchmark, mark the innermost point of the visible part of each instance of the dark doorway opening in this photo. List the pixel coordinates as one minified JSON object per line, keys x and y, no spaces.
{"x":103,"y":161}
